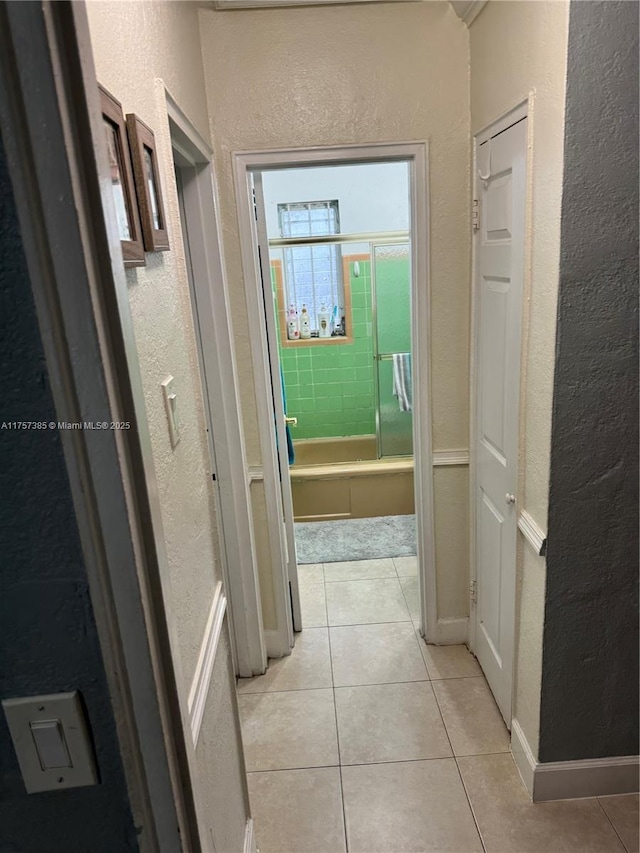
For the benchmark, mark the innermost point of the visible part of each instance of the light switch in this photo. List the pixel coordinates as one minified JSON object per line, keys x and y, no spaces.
{"x":171,"y":408}
{"x":52,"y":742}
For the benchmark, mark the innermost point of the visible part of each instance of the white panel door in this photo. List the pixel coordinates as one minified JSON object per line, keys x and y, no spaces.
{"x":499,"y":280}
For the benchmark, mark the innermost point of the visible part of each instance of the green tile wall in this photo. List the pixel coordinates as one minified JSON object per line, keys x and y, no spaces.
{"x":330,"y":389}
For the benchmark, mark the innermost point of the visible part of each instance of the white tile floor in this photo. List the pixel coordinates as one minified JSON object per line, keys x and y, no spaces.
{"x":366,"y":739}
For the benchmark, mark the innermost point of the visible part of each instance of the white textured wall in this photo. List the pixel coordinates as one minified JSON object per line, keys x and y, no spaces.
{"x":335,"y":75}
{"x":134,"y":43}
{"x":517,"y":48}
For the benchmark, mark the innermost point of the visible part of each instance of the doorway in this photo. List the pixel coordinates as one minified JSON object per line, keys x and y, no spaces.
{"x":192,"y":159}
{"x":501,"y":162}
{"x":361,"y":257}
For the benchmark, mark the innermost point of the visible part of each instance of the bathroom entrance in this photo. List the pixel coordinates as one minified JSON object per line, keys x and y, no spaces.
{"x":340,"y":272}
{"x":346,"y":338}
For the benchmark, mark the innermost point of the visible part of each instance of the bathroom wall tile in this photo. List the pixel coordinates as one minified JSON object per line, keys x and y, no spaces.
{"x":361,"y":359}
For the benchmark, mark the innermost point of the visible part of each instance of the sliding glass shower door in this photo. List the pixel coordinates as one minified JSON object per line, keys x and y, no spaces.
{"x":391,"y":283}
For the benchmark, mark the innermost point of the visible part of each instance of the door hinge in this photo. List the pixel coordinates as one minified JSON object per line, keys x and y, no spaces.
{"x":475,"y":216}
{"x":473,"y":591}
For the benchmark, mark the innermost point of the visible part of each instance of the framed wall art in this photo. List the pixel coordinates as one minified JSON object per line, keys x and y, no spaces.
{"x":124,"y":194}
{"x":147,"y":183}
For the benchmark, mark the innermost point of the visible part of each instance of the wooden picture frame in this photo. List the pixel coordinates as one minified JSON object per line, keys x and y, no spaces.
{"x":147,"y":181}
{"x":124,"y":194}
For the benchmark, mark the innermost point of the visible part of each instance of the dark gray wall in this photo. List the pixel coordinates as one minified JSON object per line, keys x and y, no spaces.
{"x":48,"y":639}
{"x":589,"y":705}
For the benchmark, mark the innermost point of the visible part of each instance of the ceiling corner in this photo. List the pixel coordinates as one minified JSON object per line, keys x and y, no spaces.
{"x":468,"y":10}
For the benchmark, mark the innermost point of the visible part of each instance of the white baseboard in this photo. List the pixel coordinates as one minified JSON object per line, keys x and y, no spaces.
{"x":206,"y":659}
{"x":523,"y":756}
{"x":249,"y":838}
{"x":570,"y":780}
{"x":450,"y":632}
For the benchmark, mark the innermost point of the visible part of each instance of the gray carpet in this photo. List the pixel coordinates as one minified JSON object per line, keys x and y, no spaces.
{"x":355,"y":539}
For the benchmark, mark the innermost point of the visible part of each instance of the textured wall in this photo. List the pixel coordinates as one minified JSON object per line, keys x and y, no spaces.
{"x":589,"y":706}
{"x":133,"y":44}
{"x":351,"y":74}
{"x":48,"y":638}
{"x":519,"y":47}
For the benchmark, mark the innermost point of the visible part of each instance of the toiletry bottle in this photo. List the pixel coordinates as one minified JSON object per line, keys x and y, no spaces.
{"x":293,"y":324}
{"x":323,"y":322}
{"x":305,"y":323}
{"x":335,"y":321}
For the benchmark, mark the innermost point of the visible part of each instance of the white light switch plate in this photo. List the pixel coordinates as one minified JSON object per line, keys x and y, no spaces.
{"x":52,"y":742}
{"x":171,"y":407}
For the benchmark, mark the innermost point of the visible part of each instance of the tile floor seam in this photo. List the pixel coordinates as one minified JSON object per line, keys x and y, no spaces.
{"x":406,"y":600}
{"x":357,"y":580}
{"x":335,"y":711}
{"x":417,"y":638}
{"x":613,"y":826}
{"x":455,"y":758}
{"x":364,"y":624}
{"x":290,"y":769}
{"x":382,"y":684}
{"x":378,"y":763}
{"x":473,"y":813}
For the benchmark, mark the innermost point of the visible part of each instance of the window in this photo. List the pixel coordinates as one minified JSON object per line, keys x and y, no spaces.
{"x":312,"y":274}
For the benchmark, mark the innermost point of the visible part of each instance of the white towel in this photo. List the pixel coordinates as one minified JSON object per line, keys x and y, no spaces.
{"x":402,"y":380}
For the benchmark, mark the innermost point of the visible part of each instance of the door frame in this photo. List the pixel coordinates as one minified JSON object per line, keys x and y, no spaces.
{"x":524,"y":109}
{"x":294,"y":610}
{"x":216,"y":355}
{"x":416,"y":154}
{"x":50,"y":109}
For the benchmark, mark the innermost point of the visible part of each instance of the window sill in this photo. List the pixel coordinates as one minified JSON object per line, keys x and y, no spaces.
{"x":317,"y":342}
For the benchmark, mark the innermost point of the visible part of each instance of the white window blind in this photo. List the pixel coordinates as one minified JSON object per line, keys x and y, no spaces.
{"x":312,"y":274}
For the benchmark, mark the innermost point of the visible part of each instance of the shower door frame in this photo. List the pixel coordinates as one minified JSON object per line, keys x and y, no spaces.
{"x":376,"y":349}
{"x":415,"y":154}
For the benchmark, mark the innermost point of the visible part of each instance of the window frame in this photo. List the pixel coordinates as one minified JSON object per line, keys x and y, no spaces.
{"x":342,"y":268}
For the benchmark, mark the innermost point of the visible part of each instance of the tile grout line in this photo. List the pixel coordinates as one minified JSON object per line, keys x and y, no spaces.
{"x":335,"y":712}
{"x":464,"y":787}
{"x":406,"y":602}
{"x":379,"y":763}
{"x":613,"y":826}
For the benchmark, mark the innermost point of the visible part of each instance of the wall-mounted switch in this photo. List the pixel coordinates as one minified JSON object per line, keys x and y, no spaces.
{"x":171,"y":407}
{"x":51,"y":741}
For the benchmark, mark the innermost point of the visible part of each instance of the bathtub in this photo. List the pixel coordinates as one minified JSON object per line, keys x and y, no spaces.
{"x":342,"y":478}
